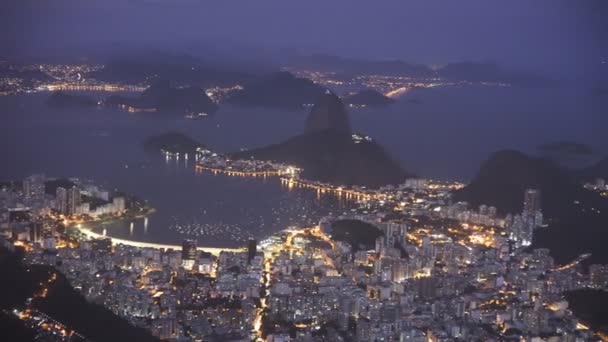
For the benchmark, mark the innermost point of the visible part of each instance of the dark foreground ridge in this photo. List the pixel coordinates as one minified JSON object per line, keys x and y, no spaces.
{"x":576,"y":216}
{"x":62,"y":303}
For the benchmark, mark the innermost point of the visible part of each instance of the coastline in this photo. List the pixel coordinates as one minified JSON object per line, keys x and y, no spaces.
{"x":116,"y":241}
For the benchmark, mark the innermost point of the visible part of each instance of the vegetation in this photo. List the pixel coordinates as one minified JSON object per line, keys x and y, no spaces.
{"x":361,"y":235}
{"x":63,"y":303}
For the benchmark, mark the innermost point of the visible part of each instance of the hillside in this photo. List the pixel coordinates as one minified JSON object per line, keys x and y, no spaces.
{"x":277,"y":90}
{"x":328,"y":113}
{"x":62,"y":302}
{"x":334,"y":157}
{"x":576,"y":217}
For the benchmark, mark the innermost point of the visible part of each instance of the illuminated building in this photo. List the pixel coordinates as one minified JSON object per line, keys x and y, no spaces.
{"x":33,"y":186}
{"x":61,"y":200}
{"x":188,"y":253}
{"x":531,"y":202}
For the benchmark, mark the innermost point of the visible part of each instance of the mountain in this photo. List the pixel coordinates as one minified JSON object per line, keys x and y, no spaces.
{"x":163,"y":97}
{"x":368,"y":98}
{"x":182,"y":70}
{"x":595,"y":171}
{"x":174,"y":142}
{"x":356,"y":66}
{"x":61,"y":100}
{"x":277,"y":90}
{"x":576,"y":217}
{"x":328,"y":152}
{"x":489,"y":72}
{"x":334,"y":157}
{"x":328,"y":113}
{"x":62,"y":302}
{"x":503,"y":178}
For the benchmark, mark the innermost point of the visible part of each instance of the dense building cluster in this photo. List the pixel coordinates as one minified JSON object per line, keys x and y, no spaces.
{"x":406,"y":264}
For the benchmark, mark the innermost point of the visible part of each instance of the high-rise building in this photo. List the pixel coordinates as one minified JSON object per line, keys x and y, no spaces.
{"x":531,"y":202}
{"x":74,"y":200}
{"x":61,"y":200}
{"x":251,"y":249}
{"x":189,"y":250}
{"x":33,"y":186}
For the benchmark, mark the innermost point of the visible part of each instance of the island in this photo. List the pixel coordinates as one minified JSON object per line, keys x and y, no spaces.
{"x":280,"y":90}
{"x":163,"y":97}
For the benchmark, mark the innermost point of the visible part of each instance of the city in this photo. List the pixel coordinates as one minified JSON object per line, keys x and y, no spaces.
{"x":318,"y":171}
{"x":431,"y":269}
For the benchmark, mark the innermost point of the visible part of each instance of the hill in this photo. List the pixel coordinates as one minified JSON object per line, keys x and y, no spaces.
{"x":361,"y":235}
{"x":334,"y":157}
{"x":357,"y":66}
{"x":576,"y":217}
{"x":62,"y":302}
{"x":164,"y":97}
{"x":328,"y":113}
{"x":369,"y":98}
{"x":182,"y":70}
{"x":597,"y":170}
{"x":328,"y":152}
{"x":503,"y":178}
{"x":277,"y":90}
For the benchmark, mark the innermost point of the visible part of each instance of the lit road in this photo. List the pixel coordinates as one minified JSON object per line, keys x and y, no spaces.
{"x":115,"y":241}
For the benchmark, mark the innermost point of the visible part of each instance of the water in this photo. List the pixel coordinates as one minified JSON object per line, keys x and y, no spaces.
{"x":446,"y":136}
{"x":105,"y":146}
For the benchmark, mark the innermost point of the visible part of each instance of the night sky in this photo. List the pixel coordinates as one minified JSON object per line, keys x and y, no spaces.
{"x":561,"y":37}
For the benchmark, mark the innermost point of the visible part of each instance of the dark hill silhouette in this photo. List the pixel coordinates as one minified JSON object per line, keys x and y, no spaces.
{"x":328,"y":152}
{"x":503,"y":178}
{"x":62,"y":303}
{"x":368,"y":97}
{"x":360,"y":235}
{"x":597,"y":170}
{"x":163,"y":97}
{"x":278,"y":90}
{"x":331,"y":156}
{"x":183,"y":71}
{"x":576,"y":217}
{"x":328,"y":113}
